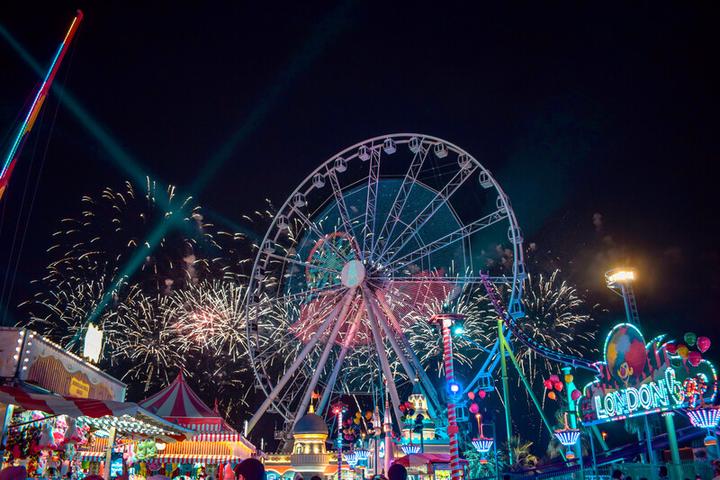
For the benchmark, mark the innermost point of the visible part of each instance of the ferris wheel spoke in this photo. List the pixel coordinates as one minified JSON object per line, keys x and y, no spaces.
{"x":424,"y":379}
{"x":401,"y":197}
{"x":447,"y":240}
{"x":301,"y":263}
{"x":370,"y":208}
{"x":316,"y":230}
{"x":271,"y":348}
{"x":349,"y":338}
{"x":347,"y":301}
{"x":382,"y":356}
{"x":310,"y":292}
{"x":442,"y":279}
{"x":342,"y":207}
{"x":291,"y":370}
{"x":440,"y":200}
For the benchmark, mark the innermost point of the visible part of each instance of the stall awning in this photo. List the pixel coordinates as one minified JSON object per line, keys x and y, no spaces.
{"x":126,"y":417}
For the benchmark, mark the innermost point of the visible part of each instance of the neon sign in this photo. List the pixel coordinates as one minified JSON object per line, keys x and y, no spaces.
{"x":649,"y":397}
{"x":639,"y":379}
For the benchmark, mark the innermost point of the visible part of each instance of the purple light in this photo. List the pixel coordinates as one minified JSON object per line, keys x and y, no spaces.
{"x":705,"y":417}
{"x":410,"y":449}
{"x":568,"y":436}
{"x":483,"y":444}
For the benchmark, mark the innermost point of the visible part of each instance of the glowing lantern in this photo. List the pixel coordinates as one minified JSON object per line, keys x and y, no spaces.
{"x":704,"y":417}
{"x":351,"y":459}
{"x":708,"y":418}
{"x":482,"y":443}
{"x":362,"y":454}
{"x":410,"y":449}
{"x":568,"y":437}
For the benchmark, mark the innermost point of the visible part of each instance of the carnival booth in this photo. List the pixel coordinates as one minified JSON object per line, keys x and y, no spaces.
{"x":61,"y":414}
{"x":213,"y":445}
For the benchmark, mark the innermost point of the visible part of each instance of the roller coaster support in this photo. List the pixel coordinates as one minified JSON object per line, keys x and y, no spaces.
{"x":504,"y":346}
{"x":506,"y":388}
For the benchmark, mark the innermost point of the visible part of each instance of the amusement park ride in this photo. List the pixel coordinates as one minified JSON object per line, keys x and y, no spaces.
{"x":393,"y":226}
{"x":388,"y":231}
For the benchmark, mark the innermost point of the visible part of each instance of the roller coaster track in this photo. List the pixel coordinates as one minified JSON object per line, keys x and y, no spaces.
{"x":527,"y":340}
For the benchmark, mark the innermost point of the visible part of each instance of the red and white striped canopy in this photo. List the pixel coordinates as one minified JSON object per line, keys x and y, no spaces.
{"x":72,"y":406}
{"x":178,"y":403}
{"x":128,"y":417}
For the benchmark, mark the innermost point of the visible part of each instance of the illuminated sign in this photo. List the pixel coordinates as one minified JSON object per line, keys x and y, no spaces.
{"x":638,"y":379}
{"x":93,"y":343}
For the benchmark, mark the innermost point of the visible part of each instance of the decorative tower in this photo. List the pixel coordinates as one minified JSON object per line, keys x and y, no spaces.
{"x":419,"y":402}
{"x":309,"y":455}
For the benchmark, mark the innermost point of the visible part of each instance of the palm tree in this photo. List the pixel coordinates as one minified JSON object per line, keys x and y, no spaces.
{"x":523,"y":457}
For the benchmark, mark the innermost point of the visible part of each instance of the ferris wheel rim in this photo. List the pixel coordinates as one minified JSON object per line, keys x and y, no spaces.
{"x":254,"y":286}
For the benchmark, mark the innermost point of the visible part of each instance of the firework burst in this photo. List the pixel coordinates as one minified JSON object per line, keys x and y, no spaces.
{"x":556,"y":316}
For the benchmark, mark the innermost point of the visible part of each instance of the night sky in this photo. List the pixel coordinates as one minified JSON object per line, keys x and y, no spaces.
{"x":578,"y":110}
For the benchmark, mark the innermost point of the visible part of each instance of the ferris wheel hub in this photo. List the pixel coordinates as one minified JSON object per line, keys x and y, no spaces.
{"x":353,"y":273}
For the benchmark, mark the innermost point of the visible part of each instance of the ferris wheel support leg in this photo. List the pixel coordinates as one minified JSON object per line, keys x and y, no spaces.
{"x":430,"y":391}
{"x":291,"y":371}
{"x":382,"y":355}
{"x":409,"y":370}
{"x":347,"y":300}
{"x":338,"y":364}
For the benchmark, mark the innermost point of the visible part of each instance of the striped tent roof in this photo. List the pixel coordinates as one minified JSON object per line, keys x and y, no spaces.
{"x":178,"y":403}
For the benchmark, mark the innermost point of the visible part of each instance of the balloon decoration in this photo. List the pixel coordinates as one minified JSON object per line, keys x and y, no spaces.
{"x":558,"y":386}
{"x":683,"y":351}
{"x":703,"y":344}
{"x":474,"y":408}
{"x":690,"y":338}
{"x":552,"y":396}
{"x":694,"y":358}
{"x":471,"y":395}
{"x":569,"y":378}
{"x":482,"y":394}
{"x":548,"y":384}
{"x":671,"y":348}
{"x":575,"y":395}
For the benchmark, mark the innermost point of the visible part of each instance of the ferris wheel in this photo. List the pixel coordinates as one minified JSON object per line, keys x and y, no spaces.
{"x":380,"y":236}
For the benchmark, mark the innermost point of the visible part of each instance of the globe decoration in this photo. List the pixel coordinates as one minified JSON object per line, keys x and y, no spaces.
{"x":626,"y":355}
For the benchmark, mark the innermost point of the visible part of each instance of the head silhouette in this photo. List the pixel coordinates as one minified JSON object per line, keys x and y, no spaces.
{"x":250,"y":469}
{"x":397,"y":472}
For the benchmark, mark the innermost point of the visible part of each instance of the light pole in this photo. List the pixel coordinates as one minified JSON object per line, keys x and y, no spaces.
{"x":338,"y":410}
{"x":620,"y":281}
{"x":445,"y":321}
